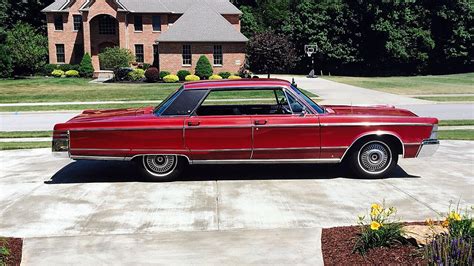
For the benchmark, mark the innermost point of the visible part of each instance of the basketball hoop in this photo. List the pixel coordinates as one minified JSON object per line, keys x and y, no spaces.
{"x":310,"y":49}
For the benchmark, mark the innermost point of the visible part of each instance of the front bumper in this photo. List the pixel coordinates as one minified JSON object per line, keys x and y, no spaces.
{"x":428,"y":148}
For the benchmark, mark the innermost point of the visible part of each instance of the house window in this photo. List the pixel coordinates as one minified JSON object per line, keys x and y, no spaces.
{"x":187,"y":55}
{"x":77,"y":19}
{"x":156,"y":23}
{"x":138,"y":22}
{"x":218,"y":57}
{"x":107,"y":25}
{"x":156,"y":56}
{"x":139,"y":54}
{"x":58,"y":22}
{"x":60,"y":57}
{"x":78,"y":53}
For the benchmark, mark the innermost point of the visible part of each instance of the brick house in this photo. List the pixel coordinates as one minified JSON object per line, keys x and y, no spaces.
{"x":170,"y":34}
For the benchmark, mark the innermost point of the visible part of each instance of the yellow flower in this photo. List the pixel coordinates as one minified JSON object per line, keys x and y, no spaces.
{"x":445,"y":223}
{"x":455,"y":216}
{"x":375,"y":206}
{"x":429,"y":222}
{"x":375,"y":225}
{"x":374,"y":212}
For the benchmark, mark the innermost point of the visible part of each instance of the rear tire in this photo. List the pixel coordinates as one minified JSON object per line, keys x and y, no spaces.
{"x":162,"y":167}
{"x":373,"y":159}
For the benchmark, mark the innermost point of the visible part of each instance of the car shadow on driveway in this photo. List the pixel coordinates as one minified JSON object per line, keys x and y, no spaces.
{"x":112,"y":171}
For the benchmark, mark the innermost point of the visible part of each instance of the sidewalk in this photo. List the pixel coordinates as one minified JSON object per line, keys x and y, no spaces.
{"x":272,"y":247}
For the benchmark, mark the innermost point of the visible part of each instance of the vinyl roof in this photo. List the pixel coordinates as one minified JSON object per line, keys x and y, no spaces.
{"x":232,"y":83}
{"x":153,"y":6}
{"x":201,"y":23}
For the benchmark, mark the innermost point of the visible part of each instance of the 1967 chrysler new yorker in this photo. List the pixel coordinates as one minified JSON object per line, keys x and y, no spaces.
{"x":201,"y":123}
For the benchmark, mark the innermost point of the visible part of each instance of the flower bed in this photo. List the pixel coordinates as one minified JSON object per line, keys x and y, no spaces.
{"x":10,"y":251}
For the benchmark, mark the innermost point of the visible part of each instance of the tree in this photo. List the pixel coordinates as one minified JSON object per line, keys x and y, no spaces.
{"x":249,"y":22}
{"x":28,"y":12}
{"x":115,"y":57}
{"x":269,"y":52}
{"x":85,"y":67}
{"x":27,"y":47}
{"x":203,"y":67}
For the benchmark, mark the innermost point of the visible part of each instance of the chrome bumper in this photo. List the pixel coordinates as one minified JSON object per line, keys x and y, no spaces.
{"x":428,"y":148}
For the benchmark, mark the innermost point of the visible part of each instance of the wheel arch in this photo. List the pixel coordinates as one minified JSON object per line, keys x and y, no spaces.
{"x":392,"y":139}
{"x":138,"y":156}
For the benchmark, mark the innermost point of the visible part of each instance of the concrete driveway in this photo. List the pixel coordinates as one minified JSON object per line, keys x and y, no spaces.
{"x":92,"y":211}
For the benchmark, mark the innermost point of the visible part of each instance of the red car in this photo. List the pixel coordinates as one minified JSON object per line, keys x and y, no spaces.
{"x":247,"y":121}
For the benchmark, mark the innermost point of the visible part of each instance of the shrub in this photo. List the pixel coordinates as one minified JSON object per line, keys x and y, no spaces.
{"x":145,"y":66}
{"x":449,"y":250}
{"x":72,"y":73}
{"x":192,"y":78}
{"x":215,"y":77}
{"x":182,"y":74}
{"x":85,"y":67}
{"x":136,"y":74}
{"x":6,"y":65}
{"x":225,"y":75}
{"x":115,"y":57}
{"x":164,"y":74}
{"x":170,"y":78}
{"x":64,"y":67}
{"x":57,"y":73}
{"x":121,"y":73}
{"x":380,"y":231}
{"x":203,"y":67}
{"x":152,"y":74}
{"x":48,"y":68}
{"x":234,"y":77}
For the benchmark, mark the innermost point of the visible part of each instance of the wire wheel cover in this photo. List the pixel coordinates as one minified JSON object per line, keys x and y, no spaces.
{"x":374,"y":157}
{"x":160,"y":165}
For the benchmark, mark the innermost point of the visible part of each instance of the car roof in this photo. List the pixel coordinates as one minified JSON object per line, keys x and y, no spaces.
{"x":253,"y":83}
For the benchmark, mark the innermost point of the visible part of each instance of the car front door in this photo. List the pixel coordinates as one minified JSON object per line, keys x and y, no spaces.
{"x":293,"y":135}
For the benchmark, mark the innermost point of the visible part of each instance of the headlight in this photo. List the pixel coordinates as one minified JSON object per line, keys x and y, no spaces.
{"x":434,"y":132}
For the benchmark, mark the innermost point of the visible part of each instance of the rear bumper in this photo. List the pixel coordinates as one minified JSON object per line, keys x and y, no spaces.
{"x":428,"y":148}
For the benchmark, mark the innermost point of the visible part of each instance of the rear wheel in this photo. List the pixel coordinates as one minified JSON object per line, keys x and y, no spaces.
{"x":162,"y":167}
{"x":373,"y":159}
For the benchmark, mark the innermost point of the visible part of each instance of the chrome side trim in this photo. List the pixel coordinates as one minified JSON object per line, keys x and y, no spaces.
{"x":375,"y":133}
{"x":369,"y":124}
{"x":334,"y":147}
{"x":126,"y":129}
{"x":287,"y":125}
{"x":265,"y":161}
{"x":286,"y":149}
{"x":220,"y":150}
{"x":101,"y":158}
{"x":98,"y":149}
{"x":60,"y":154}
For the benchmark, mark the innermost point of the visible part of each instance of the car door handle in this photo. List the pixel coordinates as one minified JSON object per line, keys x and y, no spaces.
{"x":260,"y":122}
{"x":193,"y":123}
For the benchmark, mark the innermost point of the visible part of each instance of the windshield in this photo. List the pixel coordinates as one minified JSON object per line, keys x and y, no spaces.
{"x":308,"y":100}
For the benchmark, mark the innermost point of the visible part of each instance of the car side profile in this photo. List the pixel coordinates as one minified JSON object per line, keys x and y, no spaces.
{"x":259,"y":121}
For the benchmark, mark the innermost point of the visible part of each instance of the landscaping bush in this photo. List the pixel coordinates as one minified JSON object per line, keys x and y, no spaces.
{"x":225,"y":75}
{"x":115,"y":57}
{"x":449,"y":250}
{"x":170,"y":78}
{"x":203,"y":68}
{"x":145,"y":66}
{"x":164,"y":74}
{"x":6,"y":66}
{"x":192,"y":78}
{"x":57,"y":73}
{"x":48,"y":68}
{"x":182,"y":74}
{"x":215,"y":77}
{"x":85,"y":67}
{"x":121,"y":74}
{"x":152,"y":74}
{"x":234,"y":77}
{"x":380,"y":231}
{"x":72,"y":73}
{"x":64,"y":67}
{"x":136,"y":74}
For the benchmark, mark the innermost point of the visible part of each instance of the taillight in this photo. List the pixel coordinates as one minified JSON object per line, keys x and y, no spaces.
{"x":60,"y":141}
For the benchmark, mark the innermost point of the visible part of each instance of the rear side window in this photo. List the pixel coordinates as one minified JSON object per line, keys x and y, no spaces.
{"x":185,"y":103}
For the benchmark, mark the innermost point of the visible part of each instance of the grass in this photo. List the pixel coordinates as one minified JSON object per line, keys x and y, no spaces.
{"x":78,"y":107}
{"x":461,"y":134}
{"x":413,"y":85}
{"x":448,"y":98}
{"x":25,"y":134}
{"x":456,"y":123}
{"x":24,"y":145}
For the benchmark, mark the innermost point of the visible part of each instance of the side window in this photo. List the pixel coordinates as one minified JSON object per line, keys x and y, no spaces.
{"x":244,"y":102}
{"x":185,"y":102}
{"x":295,"y":106}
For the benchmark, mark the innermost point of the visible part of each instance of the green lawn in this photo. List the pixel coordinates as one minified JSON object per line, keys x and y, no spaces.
{"x":78,"y":107}
{"x":456,"y":123}
{"x":24,"y":145}
{"x":448,"y":98}
{"x":25,"y":134}
{"x":413,"y":85}
{"x":464,"y":134}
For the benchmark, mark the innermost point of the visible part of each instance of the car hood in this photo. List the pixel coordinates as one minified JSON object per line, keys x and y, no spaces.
{"x":91,"y":115}
{"x":378,"y":110}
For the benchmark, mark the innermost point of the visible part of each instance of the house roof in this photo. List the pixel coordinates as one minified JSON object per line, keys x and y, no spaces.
{"x":200,"y":23}
{"x":153,"y":6}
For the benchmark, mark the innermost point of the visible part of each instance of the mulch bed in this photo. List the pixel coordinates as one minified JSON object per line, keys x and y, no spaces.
{"x":338,"y":243}
{"x":14,"y":245}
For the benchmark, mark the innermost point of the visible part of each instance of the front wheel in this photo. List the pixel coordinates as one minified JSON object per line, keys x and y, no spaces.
{"x":373,"y":159}
{"x":162,"y":167}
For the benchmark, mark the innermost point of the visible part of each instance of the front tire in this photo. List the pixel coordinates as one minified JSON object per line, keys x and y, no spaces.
{"x":373,"y":159}
{"x":162,"y":167}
